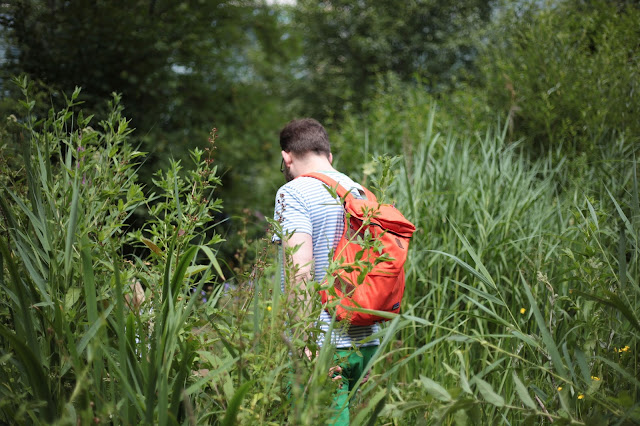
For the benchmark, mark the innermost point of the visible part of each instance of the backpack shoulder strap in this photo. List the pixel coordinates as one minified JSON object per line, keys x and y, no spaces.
{"x":332,"y":183}
{"x":341,"y":191}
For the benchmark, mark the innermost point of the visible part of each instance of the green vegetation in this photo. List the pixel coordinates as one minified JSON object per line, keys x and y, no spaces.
{"x":521,"y":283}
{"x":567,"y":73}
{"x":130,"y":293}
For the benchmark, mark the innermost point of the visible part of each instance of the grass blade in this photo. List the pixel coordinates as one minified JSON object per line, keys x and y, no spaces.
{"x":234,"y":405}
{"x":544,"y":331}
{"x":523,"y":393}
{"x":35,"y":374}
{"x":71,"y":227}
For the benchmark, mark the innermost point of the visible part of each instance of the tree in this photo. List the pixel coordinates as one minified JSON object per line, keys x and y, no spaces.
{"x":566,"y":72}
{"x":182,"y":67}
{"x":347,"y":43}
{"x":161,"y":55}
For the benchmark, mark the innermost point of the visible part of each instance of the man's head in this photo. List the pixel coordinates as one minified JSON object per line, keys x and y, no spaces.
{"x":305,"y":136}
{"x":301,"y":140}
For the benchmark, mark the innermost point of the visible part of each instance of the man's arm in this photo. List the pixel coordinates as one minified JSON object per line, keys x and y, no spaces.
{"x":301,"y":296}
{"x":300,"y":245}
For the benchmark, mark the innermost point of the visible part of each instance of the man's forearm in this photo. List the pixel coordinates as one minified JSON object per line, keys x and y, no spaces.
{"x":299,"y":265}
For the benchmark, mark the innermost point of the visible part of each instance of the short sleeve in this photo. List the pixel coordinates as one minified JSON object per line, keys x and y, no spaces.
{"x":292,"y":212}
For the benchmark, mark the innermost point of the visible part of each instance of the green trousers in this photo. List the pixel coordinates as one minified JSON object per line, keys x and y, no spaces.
{"x":352,"y":363}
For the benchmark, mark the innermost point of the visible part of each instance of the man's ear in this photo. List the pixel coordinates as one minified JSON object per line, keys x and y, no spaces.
{"x":330,"y":158}
{"x":287,"y":158}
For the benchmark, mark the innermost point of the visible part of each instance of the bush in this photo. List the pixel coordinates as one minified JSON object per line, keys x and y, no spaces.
{"x":87,"y":331}
{"x":521,"y":303}
{"x":566,"y":73}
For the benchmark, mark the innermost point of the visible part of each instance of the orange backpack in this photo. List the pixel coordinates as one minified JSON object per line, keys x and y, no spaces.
{"x":373,"y":279}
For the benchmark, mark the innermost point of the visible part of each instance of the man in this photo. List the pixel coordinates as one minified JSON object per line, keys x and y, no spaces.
{"x":312,"y":222}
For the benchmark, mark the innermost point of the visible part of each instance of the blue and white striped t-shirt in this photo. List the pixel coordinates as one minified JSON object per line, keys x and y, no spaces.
{"x":305,"y":205}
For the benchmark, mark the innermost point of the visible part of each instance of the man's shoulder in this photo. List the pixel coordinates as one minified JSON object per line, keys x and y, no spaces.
{"x":300,"y":190}
{"x":298,"y":185}
{"x":339,"y":177}
{"x":303,"y":182}
{"x":309,"y":188}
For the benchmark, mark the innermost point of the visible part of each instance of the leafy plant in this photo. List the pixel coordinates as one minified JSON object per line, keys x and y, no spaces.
{"x":565,"y":73}
{"x":79,"y":339}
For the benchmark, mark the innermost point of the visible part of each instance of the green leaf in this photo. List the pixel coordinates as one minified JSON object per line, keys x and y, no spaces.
{"x":435,"y":389}
{"x":613,"y":300}
{"x":71,"y":297}
{"x":624,"y":373}
{"x":120,"y":329}
{"x":523,"y":393}
{"x":181,"y":269}
{"x":35,"y":373}
{"x":234,"y":405}
{"x":594,"y":217}
{"x":154,"y":248}
{"x":525,"y":338}
{"x":195,"y":269}
{"x":481,"y":293}
{"x":71,"y":227}
{"x":582,"y":363}
{"x":24,"y":322}
{"x":487,"y":392}
{"x":544,"y":331}
{"x":213,"y":260}
{"x":460,"y":418}
{"x":464,"y":382}
{"x":93,"y":330}
{"x":88,"y":279}
{"x":466,"y":266}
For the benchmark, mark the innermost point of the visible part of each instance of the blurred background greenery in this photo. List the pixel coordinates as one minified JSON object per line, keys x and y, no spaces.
{"x":562,"y":74}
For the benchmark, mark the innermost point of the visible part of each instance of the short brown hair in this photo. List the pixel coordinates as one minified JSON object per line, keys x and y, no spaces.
{"x":304,"y":136}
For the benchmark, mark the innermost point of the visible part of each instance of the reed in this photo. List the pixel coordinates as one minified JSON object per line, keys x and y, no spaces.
{"x":521,"y":301}
{"x":79,"y":342}
{"x":521,"y":275}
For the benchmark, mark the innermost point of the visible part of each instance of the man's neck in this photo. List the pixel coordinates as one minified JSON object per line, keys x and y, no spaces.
{"x":314,"y":164}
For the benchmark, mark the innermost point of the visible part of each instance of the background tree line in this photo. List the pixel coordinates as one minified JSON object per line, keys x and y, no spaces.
{"x":561,"y":74}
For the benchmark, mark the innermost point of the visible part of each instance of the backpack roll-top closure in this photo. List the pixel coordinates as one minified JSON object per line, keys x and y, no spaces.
{"x":384,"y":215}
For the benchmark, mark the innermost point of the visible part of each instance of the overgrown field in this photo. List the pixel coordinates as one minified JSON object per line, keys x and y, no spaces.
{"x":521,"y":302}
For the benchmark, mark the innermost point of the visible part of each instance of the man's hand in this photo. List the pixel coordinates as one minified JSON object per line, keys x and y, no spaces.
{"x":334,"y":372}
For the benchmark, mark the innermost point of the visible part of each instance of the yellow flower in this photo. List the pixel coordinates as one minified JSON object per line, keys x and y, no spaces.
{"x":581,"y":396}
{"x":559,"y":388}
{"x":596,"y":378}
{"x":269,"y":308}
{"x":523,"y":310}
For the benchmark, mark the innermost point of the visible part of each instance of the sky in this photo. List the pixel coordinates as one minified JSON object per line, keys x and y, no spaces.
{"x":281,"y":1}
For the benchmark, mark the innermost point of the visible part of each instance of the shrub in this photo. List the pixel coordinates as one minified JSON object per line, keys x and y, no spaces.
{"x":566,"y":73}
{"x":88,"y":331}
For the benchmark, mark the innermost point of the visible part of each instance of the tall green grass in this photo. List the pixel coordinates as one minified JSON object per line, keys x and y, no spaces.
{"x":524,"y":278}
{"x":521,"y":302}
{"x":76,"y":345}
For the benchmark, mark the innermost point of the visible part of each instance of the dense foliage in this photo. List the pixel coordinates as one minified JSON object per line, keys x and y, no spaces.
{"x":567,"y":73}
{"x":180,"y":68}
{"x":347,"y":44}
{"x":125,"y":297}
